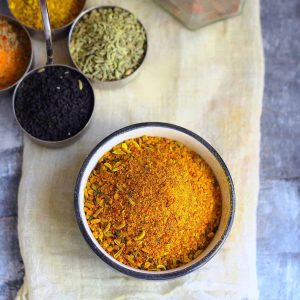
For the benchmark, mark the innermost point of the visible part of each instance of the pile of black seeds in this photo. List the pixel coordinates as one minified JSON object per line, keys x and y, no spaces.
{"x":54,"y":103}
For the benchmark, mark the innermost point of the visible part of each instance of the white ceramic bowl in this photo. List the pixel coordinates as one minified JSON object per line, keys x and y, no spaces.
{"x":194,"y":142}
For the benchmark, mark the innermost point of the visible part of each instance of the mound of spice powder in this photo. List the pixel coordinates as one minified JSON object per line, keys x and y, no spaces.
{"x":15,"y":52}
{"x":54,"y":103}
{"x":60,"y":12}
{"x":152,"y":203}
{"x":108,"y":44}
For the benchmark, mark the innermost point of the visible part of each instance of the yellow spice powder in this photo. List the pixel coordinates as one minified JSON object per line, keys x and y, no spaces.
{"x":152,"y":203}
{"x":60,"y":12}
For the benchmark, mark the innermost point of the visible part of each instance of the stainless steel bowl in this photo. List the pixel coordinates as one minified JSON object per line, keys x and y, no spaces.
{"x":11,"y":20}
{"x":39,"y":33}
{"x":60,"y":143}
{"x":108,"y":83}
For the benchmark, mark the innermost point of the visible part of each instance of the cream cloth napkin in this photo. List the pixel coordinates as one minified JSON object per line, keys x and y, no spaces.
{"x":209,"y":81}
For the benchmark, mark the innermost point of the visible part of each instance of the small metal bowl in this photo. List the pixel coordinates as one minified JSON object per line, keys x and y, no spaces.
{"x":56,"y":33}
{"x":15,"y":22}
{"x":108,"y":83}
{"x":194,"y":142}
{"x":49,"y":64}
{"x":59,"y":143}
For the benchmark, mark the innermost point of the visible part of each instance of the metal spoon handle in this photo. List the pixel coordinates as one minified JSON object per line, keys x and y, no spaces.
{"x":47,"y":31}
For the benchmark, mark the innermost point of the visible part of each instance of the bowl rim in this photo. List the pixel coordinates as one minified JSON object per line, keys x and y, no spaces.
{"x":125,"y":79}
{"x":163,"y":275}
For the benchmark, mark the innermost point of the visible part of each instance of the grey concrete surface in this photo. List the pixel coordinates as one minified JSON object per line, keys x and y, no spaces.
{"x":11,"y":267}
{"x":278,"y":213}
{"x":278,"y":227}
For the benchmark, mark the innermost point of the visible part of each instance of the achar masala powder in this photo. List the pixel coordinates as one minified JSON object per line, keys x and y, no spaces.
{"x":152,"y":203}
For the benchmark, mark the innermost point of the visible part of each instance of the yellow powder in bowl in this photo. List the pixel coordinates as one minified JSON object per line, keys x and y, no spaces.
{"x":152,"y":203}
{"x":61,"y":13}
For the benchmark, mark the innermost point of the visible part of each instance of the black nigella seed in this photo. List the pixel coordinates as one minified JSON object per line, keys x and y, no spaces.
{"x":50,"y":106}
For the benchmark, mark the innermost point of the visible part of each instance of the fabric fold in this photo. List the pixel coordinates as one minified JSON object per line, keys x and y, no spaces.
{"x":209,"y":81}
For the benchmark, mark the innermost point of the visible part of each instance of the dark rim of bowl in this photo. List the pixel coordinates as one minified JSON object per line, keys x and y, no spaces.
{"x":155,"y":275}
{"x":47,"y":142}
{"x":87,"y":12}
